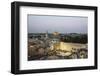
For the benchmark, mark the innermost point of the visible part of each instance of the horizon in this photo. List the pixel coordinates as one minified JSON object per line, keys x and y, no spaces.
{"x":58,"y":32}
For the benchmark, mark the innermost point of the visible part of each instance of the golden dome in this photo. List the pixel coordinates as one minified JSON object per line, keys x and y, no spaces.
{"x":56,"y":33}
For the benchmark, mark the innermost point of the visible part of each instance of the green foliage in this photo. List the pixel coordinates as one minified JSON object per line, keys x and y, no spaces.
{"x":75,"y":39}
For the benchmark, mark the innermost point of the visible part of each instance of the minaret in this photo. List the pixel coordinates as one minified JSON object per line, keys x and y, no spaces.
{"x":46,"y":35}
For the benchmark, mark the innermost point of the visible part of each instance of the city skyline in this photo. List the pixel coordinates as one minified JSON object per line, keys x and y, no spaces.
{"x":62,"y":24}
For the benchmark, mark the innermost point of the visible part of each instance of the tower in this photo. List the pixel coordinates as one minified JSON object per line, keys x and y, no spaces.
{"x":46,"y":35}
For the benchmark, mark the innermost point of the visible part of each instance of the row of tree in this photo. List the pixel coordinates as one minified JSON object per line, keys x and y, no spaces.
{"x":75,"y":39}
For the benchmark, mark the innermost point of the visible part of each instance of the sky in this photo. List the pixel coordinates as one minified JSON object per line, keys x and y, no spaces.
{"x":61,"y":24}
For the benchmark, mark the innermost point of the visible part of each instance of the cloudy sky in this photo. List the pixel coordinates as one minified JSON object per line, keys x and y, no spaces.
{"x":62,"y":24}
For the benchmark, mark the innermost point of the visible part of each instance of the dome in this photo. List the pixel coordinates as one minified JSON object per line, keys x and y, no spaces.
{"x":55,"y":33}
